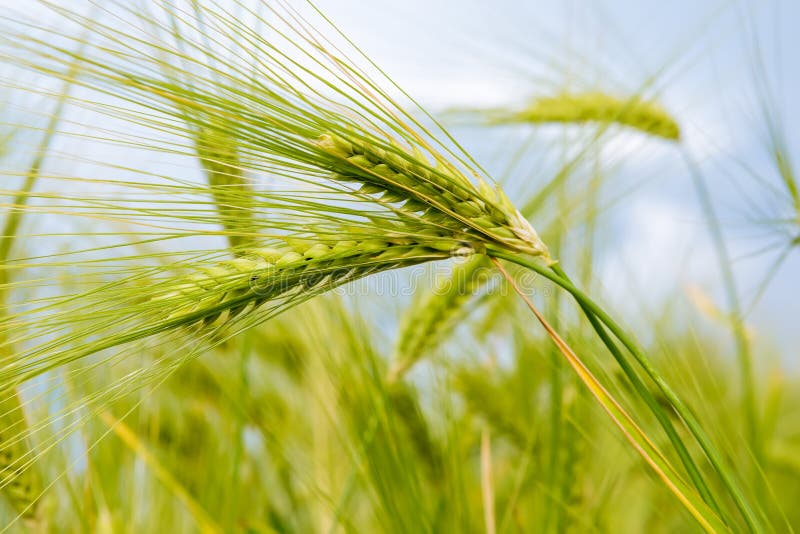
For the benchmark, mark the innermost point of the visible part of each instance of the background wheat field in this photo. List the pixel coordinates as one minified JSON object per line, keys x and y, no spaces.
{"x":337,"y":266}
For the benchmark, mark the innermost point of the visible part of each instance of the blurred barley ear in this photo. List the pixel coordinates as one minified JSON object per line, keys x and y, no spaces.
{"x":219,"y":156}
{"x":432,"y":317}
{"x":634,"y":111}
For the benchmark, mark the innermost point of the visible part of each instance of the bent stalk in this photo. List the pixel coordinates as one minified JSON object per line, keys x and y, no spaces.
{"x":558,"y":276}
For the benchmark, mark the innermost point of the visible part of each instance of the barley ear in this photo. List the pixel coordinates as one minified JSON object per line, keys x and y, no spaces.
{"x":634,"y":112}
{"x":431,"y":319}
{"x":434,"y":193}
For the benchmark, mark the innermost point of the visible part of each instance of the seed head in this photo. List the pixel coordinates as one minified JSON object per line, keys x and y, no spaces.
{"x":439,"y":194}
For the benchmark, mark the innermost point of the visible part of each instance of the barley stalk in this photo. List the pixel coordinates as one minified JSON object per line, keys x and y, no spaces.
{"x":600,"y":320}
{"x":706,"y":516}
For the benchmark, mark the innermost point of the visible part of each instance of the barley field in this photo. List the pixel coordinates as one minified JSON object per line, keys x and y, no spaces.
{"x":352,"y":267}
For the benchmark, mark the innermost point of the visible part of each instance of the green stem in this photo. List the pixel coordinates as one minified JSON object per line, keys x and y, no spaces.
{"x":557,"y":275}
{"x":743,"y":352}
{"x":591,"y":222}
{"x":554,"y":505}
{"x":641,"y":443}
{"x":663,"y":418}
{"x":556,"y":439}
